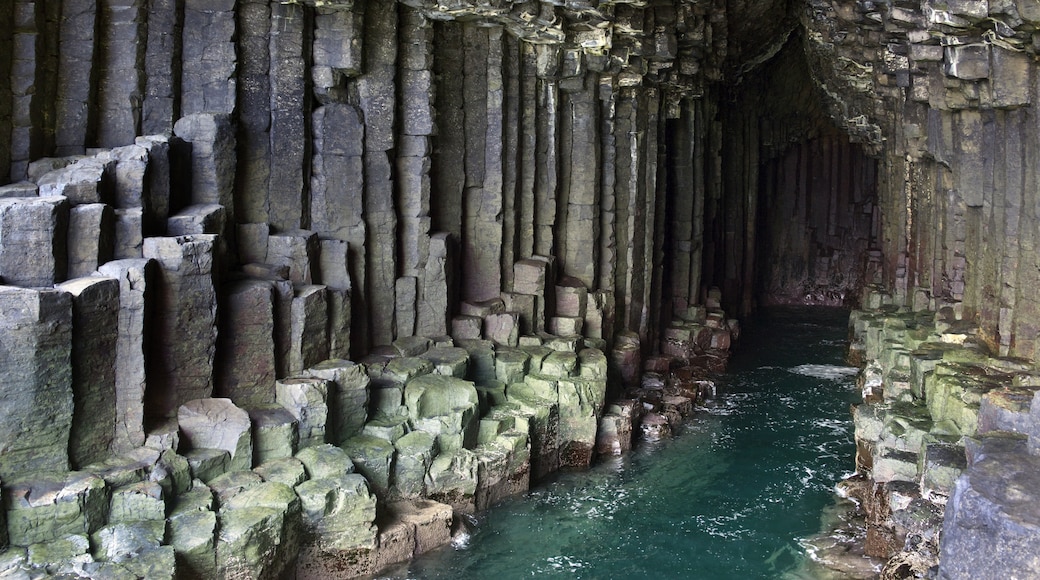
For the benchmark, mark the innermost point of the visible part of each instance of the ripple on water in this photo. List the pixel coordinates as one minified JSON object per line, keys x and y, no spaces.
{"x":727,"y":498}
{"x":832,"y":372}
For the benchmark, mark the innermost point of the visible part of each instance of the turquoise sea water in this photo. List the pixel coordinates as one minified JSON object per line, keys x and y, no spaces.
{"x":729,"y":497}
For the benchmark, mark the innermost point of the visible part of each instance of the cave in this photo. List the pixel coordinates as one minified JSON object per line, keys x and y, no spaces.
{"x":322,"y":275}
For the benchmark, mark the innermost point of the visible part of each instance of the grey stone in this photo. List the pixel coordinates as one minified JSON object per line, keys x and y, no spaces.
{"x":135,"y":291}
{"x":347,"y":398}
{"x":206,"y":218}
{"x":275,"y":433}
{"x":306,"y":400}
{"x":183,"y":345}
{"x":41,"y":223}
{"x":88,"y":180}
{"x":35,"y":380}
{"x":213,"y":157}
{"x":245,"y":358}
{"x":309,"y":337}
{"x":208,"y":61}
{"x":95,"y":321}
{"x":54,"y":505}
{"x":91,"y":238}
{"x":217,"y":424}
{"x":990,"y":526}
{"x":297,"y":249}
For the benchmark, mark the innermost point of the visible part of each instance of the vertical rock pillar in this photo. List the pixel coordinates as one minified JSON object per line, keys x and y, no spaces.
{"x":289,"y":106}
{"x":120,"y":86}
{"x":246,"y":368}
{"x":181,"y":366}
{"x":377,"y":91}
{"x":135,"y":295}
{"x":95,"y":326}
{"x":413,"y":162}
{"x":35,"y":380}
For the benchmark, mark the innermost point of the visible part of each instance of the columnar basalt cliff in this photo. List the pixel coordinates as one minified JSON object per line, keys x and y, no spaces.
{"x":285,"y":285}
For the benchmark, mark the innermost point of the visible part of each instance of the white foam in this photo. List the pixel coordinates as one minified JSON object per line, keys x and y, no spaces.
{"x":832,"y":372}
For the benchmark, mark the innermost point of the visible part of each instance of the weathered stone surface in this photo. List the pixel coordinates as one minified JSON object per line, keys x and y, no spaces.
{"x":325,"y":461}
{"x":373,"y":458}
{"x":259,"y":532}
{"x":54,"y":505}
{"x":453,"y":480}
{"x":245,"y":358}
{"x":309,"y":338}
{"x":339,"y":511}
{"x":95,"y":307}
{"x":35,"y":380}
{"x":207,"y":464}
{"x":445,"y":407}
{"x":87,"y":180}
{"x":415,"y":451}
{"x":36,"y":222}
{"x":91,"y":238}
{"x":217,"y":424}
{"x":991,"y":523}
{"x":502,"y":329}
{"x":213,"y":158}
{"x":183,"y":345}
{"x":287,"y":470}
{"x":208,"y":59}
{"x":135,"y":291}
{"x":203,"y":218}
{"x":275,"y":433}
{"x":137,"y":502}
{"x":448,"y":361}
{"x":347,"y":398}
{"x":193,"y":536}
{"x":306,"y":400}
{"x":298,"y":250}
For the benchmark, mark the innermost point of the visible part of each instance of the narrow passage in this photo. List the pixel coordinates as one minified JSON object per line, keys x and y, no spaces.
{"x":729,"y":497}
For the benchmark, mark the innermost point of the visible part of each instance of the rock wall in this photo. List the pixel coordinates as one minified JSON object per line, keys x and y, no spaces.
{"x":279,"y":184}
{"x":210,"y":209}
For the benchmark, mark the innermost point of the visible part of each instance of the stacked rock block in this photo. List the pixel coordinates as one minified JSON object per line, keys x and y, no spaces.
{"x":192,"y":258}
{"x":943,"y":439}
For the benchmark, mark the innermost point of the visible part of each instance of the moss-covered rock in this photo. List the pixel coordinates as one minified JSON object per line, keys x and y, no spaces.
{"x":288,"y":470}
{"x":53,"y":506}
{"x":448,"y":361}
{"x":415,"y":451}
{"x":123,"y":540}
{"x":339,"y":512}
{"x":227,"y":485}
{"x":373,"y":458}
{"x":217,"y":424}
{"x":137,"y":502}
{"x":70,"y":549}
{"x":275,"y":433}
{"x":259,"y":531}
{"x":325,"y":461}
{"x":207,"y":464}
{"x":193,"y":536}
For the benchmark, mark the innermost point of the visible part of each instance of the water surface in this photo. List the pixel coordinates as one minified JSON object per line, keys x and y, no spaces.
{"x":729,"y":497}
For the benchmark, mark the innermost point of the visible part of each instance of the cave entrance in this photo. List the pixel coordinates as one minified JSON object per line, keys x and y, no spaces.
{"x":790,"y":213}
